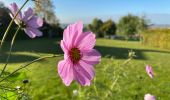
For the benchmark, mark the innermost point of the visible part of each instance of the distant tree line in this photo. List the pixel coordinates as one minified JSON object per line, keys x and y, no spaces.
{"x":101,"y":28}
{"x":129,"y":26}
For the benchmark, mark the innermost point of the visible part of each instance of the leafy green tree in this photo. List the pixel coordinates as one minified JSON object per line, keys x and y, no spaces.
{"x":131,"y":25}
{"x":51,"y":26}
{"x":95,"y":27}
{"x":109,"y":27}
{"x":143,"y":24}
{"x":45,"y":9}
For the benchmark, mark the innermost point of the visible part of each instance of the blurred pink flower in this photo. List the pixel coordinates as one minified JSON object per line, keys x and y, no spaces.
{"x":28,"y":21}
{"x":149,"y":71}
{"x":79,"y":55}
{"x":149,"y":97}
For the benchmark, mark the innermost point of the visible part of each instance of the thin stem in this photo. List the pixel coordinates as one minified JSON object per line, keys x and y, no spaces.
{"x":10,"y":24}
{"x":112,"y":86}
{"x":10,"y":50}
{"x":80,"y":92}
{"x":29,"y":63}
{"x":95,"y":88}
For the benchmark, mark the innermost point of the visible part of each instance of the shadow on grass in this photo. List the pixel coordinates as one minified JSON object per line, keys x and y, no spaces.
{"x":52,"y":46}
{"x":122,"y":53}
{"x":17,"y":58}
{"x":42,"y":45}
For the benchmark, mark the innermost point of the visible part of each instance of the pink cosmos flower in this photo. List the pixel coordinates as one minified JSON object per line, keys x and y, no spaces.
{"x":28,"y":21}
{"x":149,"y":97}
{"x":79,"y":55}
{"x":149,"y":71}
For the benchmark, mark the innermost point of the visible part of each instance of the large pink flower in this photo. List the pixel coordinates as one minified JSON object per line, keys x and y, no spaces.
{"x":149,"y":71}
{"x":28,"y":21}
{"x":79,"y":55}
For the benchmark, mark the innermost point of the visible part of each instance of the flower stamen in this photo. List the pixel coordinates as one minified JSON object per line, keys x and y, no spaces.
{"x":75,"y":55}
{"x":22,"y":24}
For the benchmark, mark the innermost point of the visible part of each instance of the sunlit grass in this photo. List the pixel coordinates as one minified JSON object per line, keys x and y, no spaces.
{"x":114,"y":80}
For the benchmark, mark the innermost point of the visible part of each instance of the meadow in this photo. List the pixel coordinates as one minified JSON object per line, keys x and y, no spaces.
{"x":157,"y":38}
{"x":115,"y":79}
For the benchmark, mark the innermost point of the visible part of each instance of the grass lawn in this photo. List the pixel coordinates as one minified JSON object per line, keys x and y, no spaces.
{"x":114,"y":80}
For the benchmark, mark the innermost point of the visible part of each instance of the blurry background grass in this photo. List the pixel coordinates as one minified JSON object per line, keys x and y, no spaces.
{"x":114,"y":80}
{"x":157,"y":38}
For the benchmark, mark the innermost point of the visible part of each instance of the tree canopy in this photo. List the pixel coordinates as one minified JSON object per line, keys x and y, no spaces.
{"x":109,"y":27}
{"x":101,"y":28}
{"x":95,"y":27}
{"x":130,"y":25}
{"x":45,"y":9}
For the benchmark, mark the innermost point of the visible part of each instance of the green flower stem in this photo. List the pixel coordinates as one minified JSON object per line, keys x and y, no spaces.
{"x":95,"y":88}
{"x":111,"y":87}
{"x":80,"y":92}
{"x":10,"y":24}
{"x":29,"y":63}
{"x":10,"y":50}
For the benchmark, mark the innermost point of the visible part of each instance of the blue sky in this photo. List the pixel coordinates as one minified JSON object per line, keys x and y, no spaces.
{"x":69,"y":11}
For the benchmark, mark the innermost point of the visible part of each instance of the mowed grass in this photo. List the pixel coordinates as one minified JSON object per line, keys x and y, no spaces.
{"x":115,"y":80}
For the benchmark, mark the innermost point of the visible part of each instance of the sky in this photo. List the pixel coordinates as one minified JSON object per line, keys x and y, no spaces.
{"x":70,"y":11}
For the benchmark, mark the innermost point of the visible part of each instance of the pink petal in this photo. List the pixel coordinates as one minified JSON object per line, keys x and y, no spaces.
{"x":71,"y":33}
{"x":16,"y":20}
{"x":81,"y":79}
{"x":87,"y":69}
{"x":86,"y":41}
{"x":65,"y":70}
{"x":83,"y":73}
{"x":28,"y":14}
{"x":35,"y":22}
{"x":32,"y":32}
{"x":64,"y":46}
{"x":65,"y":49}
{"x":14,"y":9}
{"x":149,"y":71}
{"x":91,"y":56}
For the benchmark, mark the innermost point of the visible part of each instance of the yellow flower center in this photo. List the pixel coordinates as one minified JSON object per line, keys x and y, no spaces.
{"x":75,"y":55}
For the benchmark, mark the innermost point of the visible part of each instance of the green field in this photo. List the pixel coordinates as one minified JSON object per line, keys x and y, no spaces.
{"x":114,"y":79}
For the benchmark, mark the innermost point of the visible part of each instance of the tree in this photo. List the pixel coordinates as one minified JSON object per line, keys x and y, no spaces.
{"x":4,"y":15}
{"x":109,"y":27}
{"x":51,"y":27}
{"x":95,"y":27}
{"x":4,"y":18}
{"x":130,"y":25}
{"x":143,"y":24}
{"x":44,"y":8}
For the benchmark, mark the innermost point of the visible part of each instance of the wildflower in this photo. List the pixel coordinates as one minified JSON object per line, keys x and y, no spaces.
{"x":149,"y":97}
{"x":28,"y":21}
{"x":79,"y":55}
{"x":149,"y":71}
